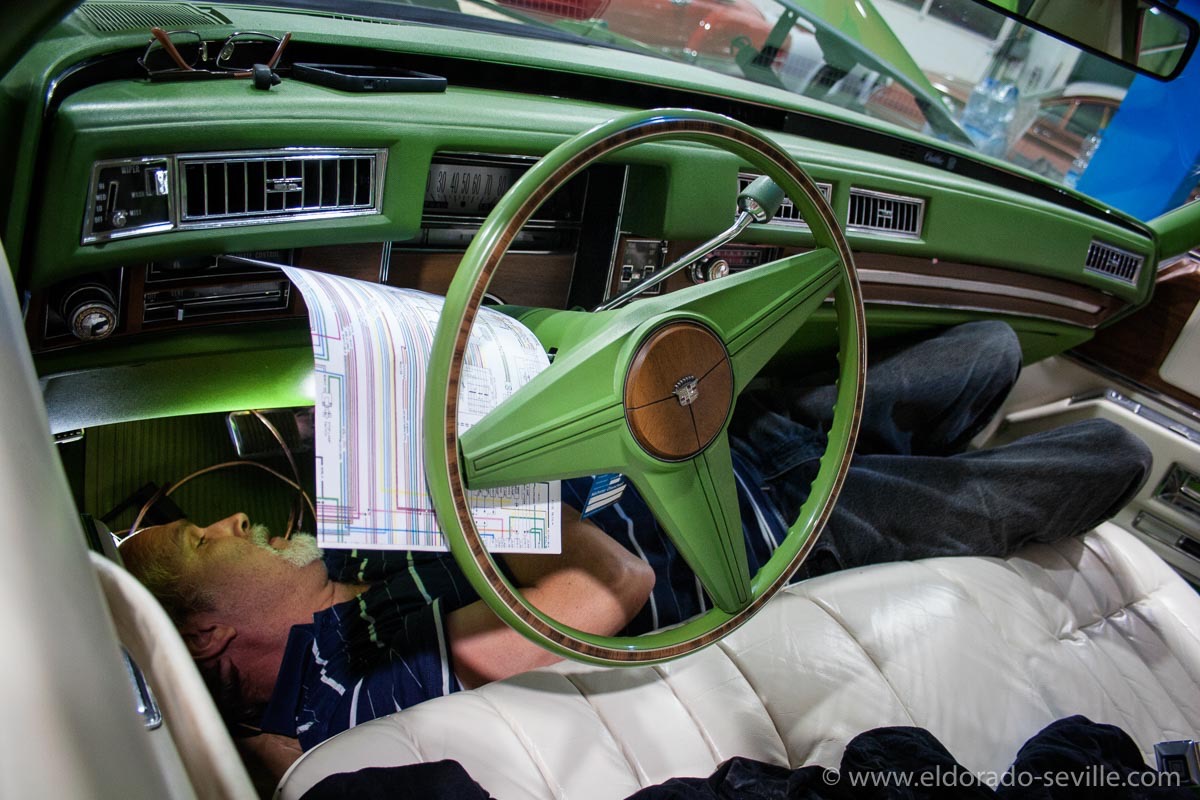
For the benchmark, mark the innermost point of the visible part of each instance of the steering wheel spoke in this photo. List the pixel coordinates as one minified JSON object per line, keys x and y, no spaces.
{"x":567,"y":422}
{"x":696,"y":504}
{"x":757,"y":311}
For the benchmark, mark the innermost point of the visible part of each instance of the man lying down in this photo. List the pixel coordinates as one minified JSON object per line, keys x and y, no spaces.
{"x":304,"y":646}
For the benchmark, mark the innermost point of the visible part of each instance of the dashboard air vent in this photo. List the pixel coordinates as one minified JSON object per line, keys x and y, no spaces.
{"x":788,"y":215}
{"x":1113,"y":262}
{"x":236,"y":188}
{"x":118,"y":17}
{"x":878,"y":212}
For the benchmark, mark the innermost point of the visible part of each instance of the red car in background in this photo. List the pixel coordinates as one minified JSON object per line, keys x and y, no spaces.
{"x":701,"y":28}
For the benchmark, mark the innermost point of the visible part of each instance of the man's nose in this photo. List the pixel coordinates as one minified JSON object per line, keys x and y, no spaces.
{"x":234,"y":525}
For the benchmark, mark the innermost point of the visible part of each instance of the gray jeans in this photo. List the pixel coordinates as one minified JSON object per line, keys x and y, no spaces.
{"x":912,"y":491}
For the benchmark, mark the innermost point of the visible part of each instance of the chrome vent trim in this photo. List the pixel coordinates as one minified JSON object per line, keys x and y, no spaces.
{"x":881,"y":212}
{"x":1113,"y":262}
{"x":252,"y":187}
{"x":218,"y":189}
{"x":118,"y":17}
{"x":788,"y":215}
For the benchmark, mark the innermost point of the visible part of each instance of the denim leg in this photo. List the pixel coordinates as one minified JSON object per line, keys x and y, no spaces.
{"x":1041,"y":488}
{"x":929,"y":398}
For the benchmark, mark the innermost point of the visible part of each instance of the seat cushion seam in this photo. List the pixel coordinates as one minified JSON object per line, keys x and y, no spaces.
{"x":841,"y":624}
{"x":1131,"y":609}
{"x":1104,"y":617}
{"x":712,"y":748}
{"x":724,"y":647}
{"x":1134,"y":611}
{"x":525,"y":744}
{"x":620,"y":746}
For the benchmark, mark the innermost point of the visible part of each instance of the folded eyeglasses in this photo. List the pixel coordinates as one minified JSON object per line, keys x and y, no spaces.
{"x":185,"y":54}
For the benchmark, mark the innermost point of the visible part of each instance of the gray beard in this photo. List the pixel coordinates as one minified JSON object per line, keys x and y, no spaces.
{"x":301,"y":549}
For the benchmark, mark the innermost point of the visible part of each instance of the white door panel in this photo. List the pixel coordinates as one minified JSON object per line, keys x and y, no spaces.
{"x":1181,"y":367}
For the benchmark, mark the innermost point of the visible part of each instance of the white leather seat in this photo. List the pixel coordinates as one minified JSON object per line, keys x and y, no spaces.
{"x":982,"y":652}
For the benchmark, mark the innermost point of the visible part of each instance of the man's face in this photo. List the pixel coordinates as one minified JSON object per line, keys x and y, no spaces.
{"x":232,"y":560}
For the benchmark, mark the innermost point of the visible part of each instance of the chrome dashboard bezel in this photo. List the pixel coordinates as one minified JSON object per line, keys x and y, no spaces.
{"x":177,"y":195}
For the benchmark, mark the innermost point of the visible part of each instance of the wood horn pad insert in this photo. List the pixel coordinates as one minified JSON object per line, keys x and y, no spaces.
{"x":678,"y":391}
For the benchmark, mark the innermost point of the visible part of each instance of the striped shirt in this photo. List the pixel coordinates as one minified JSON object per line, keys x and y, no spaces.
{"x":387,"y":649}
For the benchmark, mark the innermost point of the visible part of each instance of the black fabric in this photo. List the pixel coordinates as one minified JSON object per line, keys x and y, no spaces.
{"x":884,"y":751}
{"x":1088,"y":755}
{"x":1069,"y":759}
{"x":1073,"y":758}
{"x":437,"y":779}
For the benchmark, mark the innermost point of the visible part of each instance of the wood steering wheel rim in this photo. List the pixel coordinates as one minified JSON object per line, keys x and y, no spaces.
{"x":444,"y":459}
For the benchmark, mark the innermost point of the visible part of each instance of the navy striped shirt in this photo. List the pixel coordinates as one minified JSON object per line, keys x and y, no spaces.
{"x":387,"y":649}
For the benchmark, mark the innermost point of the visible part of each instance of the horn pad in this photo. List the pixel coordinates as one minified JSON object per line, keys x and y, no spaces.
{"x":678,"y":391}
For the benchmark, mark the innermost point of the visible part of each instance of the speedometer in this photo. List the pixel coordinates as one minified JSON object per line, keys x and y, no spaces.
{"x":468,"y":190}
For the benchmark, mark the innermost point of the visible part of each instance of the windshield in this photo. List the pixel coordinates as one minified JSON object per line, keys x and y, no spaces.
{"x":952,"y":69}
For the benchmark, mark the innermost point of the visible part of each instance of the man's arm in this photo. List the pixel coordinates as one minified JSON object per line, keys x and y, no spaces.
{"x":595,"y":585}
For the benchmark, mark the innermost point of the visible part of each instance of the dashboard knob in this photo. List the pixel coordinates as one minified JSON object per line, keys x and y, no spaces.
{"x":708,"y":269}
{"x":90,"y":311}
{"x":119,"y":218}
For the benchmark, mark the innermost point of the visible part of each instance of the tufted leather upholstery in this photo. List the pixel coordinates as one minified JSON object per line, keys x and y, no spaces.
{"x":982,"y":652}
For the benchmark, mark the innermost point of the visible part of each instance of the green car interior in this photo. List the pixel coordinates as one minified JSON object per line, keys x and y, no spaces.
{"x":145,"y":208}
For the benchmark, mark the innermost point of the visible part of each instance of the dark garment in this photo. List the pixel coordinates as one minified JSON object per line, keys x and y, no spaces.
{"x":379,"y":653}
{"x":911,"y":492}
{"x":436,"y":779}
{"x":1071,"y":759}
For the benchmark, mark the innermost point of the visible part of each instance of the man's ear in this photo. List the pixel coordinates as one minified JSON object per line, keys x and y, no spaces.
{"x":206,"y":639}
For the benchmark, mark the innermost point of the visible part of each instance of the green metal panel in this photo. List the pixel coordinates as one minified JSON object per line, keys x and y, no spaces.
{"x":1178,"y":231}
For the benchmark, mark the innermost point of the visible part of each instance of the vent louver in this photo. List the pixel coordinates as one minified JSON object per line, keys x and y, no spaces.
{"x":372,"y":20}
{"x":1113,"y":262}
{"x":235,"y":188}
{"x":788,"y":215}
{"x":117,"y":17}
{"x":878,"y":212}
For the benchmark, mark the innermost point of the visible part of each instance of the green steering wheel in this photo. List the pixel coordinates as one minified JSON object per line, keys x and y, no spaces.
{"x":646,"y":390}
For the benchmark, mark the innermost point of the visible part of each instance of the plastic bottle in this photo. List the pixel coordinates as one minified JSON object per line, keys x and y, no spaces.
{"x":989,"y":111}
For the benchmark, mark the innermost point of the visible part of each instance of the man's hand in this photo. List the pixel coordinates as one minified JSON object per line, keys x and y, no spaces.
{"x":596,"y":585}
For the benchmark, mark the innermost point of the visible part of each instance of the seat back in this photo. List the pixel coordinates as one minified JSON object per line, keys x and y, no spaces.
{"x":198,"y":755}
{"x":983,"y":652}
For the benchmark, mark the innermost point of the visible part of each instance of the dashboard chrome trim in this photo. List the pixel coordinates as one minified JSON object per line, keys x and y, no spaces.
{"x":873,"y":194}
{"x":895,"y":278}
{"x":177,"y":196}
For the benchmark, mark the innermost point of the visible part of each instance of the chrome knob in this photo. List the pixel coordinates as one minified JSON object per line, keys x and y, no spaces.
{"x":719,"y":268}
{"x":708,"y":270}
